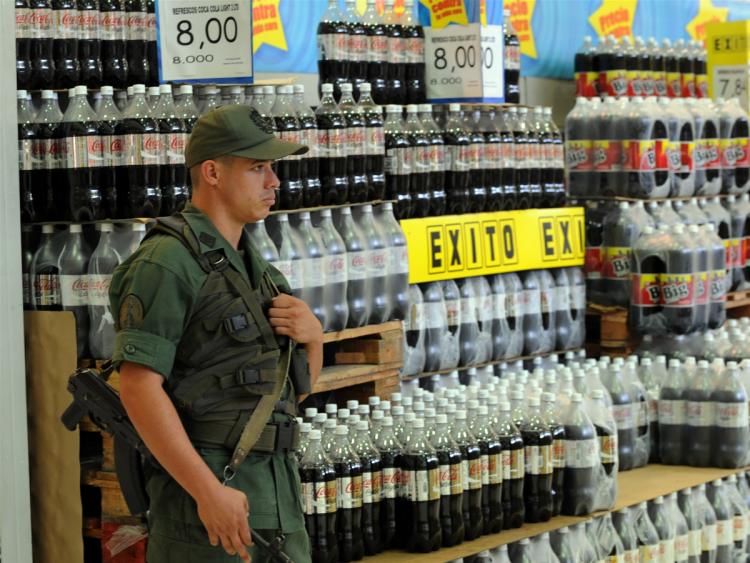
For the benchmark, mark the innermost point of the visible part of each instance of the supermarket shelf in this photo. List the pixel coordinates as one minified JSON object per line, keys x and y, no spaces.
{"x":368,"y":330}
{"x":635,"y":199}
{"x":634,"y":486}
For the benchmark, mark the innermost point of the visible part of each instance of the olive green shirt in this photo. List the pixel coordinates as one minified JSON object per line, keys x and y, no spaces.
{"x":152,"y":294}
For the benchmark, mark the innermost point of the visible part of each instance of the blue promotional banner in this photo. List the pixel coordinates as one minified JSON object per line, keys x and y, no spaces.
{"x":551,"y":31}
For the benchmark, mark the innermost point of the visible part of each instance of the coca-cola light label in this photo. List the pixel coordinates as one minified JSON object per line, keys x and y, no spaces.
{"x":74,"y":290}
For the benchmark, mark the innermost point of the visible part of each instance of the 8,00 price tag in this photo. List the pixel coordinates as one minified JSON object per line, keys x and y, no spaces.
{"x":205,"y":40}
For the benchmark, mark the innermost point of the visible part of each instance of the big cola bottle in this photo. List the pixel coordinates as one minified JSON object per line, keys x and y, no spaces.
{"x":398,"y":261}
{"x":73,"y":264}
{"x":109,"y":116}
{"x":512,"y":60}
{"x":399,"y":162}
{"x":537,"y":440}
{"x":335,"y":271}
{"x":313,"y":279}
{"x":397,"y":56}
{"x":420,"y":187}
{"x":420,"y":484}
{"x":318,"y":478}
{"x":471,"y":476}
{"x":707,"y":152}
{"x":65,"y":43}
{"x":42,"y":30}
{"x":583,"y":68}
{"x":332,"y":161}
{"x":27,"y":139}
{"x":731,"y":419}
{"x":333,"y":47}
{"x":689,"y":509}
{"x":374,"y":144}
{"x":358,"y":284}
{"x":451,"y":486}
{"x":309,"y":162}
{"x":81,"y":161}
{"x":578,"y":149}
{"x":458,"y":162}
{"x":172,"y":171}
{"x":288,"y":169}
{"x":377,"y":257}
{"x":138,"y":178}
{"x":113,"y":33}
{"x":390,"y":458}
{"x":648,"y":175}
{"x":356,"y":146}
{"x":735,"y":157}
{"x":372,"y":479}
{"x":470,"y":330}
{"x":437,"y":161}
{"x":348,"y":497}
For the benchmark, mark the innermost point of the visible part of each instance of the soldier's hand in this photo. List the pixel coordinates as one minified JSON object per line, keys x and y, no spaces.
{"x":292,"y":317}
{"x":225,"y":515}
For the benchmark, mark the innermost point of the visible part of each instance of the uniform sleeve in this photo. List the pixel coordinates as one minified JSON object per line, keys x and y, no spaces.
{"x":150,"y":304}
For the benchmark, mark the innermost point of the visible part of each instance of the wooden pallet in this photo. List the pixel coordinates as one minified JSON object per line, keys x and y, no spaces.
{"x":607,"y":331}
{"x":738,"y":304}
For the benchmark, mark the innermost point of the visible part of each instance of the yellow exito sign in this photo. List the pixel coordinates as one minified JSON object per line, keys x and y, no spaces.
{"x":459,"y":246}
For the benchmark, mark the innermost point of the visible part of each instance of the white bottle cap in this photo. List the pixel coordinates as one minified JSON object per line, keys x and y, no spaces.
{"x":75,"y":228}
{"x":454,"y":107}
{"x":314,"y":434}
{"x":327,"y":88}
{"x":153,"y":90}
{"x":365,"y":88}
{"x":186,"y":89}
{"x":299,"y":88}
{"x":139,"y":89}
{"x":165,"y":89}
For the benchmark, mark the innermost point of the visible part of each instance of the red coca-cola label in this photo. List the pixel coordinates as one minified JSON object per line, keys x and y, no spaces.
{"x":88,"y":24}
{"x":678,"y":290}
{"x":646,"y":290}
{"x":594,"y":264}
{"x":607,"y":155}
{"x":40,"y":21}
{"x":137,"y":26}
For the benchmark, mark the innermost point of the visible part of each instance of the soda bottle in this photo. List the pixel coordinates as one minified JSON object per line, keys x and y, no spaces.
{"x":607,"y":176}
{"x":104,"y":260}
{"x":318,"y":478}
{"x":372,"y":478}
{"x":458,"y":162}
{"x":740,"y":513}
{"x":577,"y":301}
{"x":420,"y":187}
{"x":491,"y":160}
{"x":492,"y":471}
{"x":657,"y":67}
{"x":65,"y":30}
{"x":470,"y":475}
{"x":647,"y":268}
{"x":108,"y":116}
{"x":579,"y":136}
{"x":415,"y":61}
{"x":477,"y":187}
{"x":138,"y":177}
{"x":507,"y":157}
{"x":396,"y":55}
{"x":707,"y":153}
{"x":581,"y":460}
{"x":451,"y":349}
{"x":292,"y":257}
{"x":672,"y":76}
{"x":688,"y":506}
{"x":358,"y":284}
{"x":501,"y":333}
{"x":28,"y":132}
{"x":45,"y":272}
{"x":624,"y":415}
{"x":678,"y":284}
{"x":348,"y":497}
{"x":526,"y":129}
{"x":682,"y":532}
{"x":113,"y":33}
{"x":374,"y":144}
{"x":73,"y":267}
{"x":42,"y":26}
{"x":313,"y":267}
{"x":735,"y":158}
{"x":377,"y":263}
{"x":483,"y":304}
{"x":469,"y":330}
{"x":665,"y":528}
{"x":700,"y":417}
{"x":553,"y":158}
{"x":377,"y":53}
{"x":451,"y":486}
{"x":415,"y":330}
{"x":687,"y":71}
{"x":632,"y":67}
{"x":172,"y":172}
{"x":288,"y":169}
{"x":262,"y":241}
{"x":707,"y":516}
{"x":648,"y":538}
{"x":437,"y":165}
{"x":24,"y":38}
{"x":645,"y":67}
{"x":531,"y":307}
{"x":563,"y":545}
{"x":332,"y":162}
{"x":136,"y":23}
{"x":512,"y":60}
{"x":356,"y":45}
{"x":552,"y":420}
{"x":82,"y":160}
{"x":644,"y":150}
{"x":28,"y":248}
{"x":537,"y":440}
{"x":724,"y":520}
{"x":398,"y":261}
{"x":333,"y":47}
{"x":356,"y":140}
{"x":151,"y":52}
{"x":583,"y":68}
{"x":152,"y":96}
{"x":45,"y":150}
{"x":610,"y":59}
{"x":672,"y":415}
{"x":399,"y":162}
{"x":548,"y":300}
{"x":186,"y":108}
{"x":335,"y":274}
{"x":390,"y":458}
{"x":730,"y":424}
{"x":308,"y":162}
{"x":700,"y":69}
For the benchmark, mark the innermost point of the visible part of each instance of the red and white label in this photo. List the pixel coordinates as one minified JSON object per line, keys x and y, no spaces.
{"x":677,"y":290}
{"x":646,"y":290}
{"x":74,"y":290}
{"x":671,"y":412}
{"x":607,"y":156}
{"x":112,"y":26}
{"x":98,"y":289}
{"x":731,"y":415}
{"x":66,"y":24}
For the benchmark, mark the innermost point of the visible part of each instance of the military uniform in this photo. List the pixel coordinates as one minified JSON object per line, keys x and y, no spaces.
{"x":183,"y":320}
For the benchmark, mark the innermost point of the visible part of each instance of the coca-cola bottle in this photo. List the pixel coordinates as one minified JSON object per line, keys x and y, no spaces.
{"x":46,"y":175}
{"x":396,"y":54}
{"x":374,"y":144}
{"x":372,"y":479}
{"x":398,"y":262}
{"x":65,"y":44}
{"x":27,"y":139}
{"x":491,"y":159}
{"x":358,"y":285}
{"x":477,"y":187}
{"x":377,"y":255}
{"x":108,"y":116}
{"x":23,"y":44}
{"x":45,"y":272}
{"x":348,"y":497}
{"x":471,"y":476}
{"x":28,"y":247}
{"x":136,"y":25}
{"x":335,"y":271}
{"x":512,"y":60}
{"x":172,"y":170}
{"x":186,"y":108}
{"x":390,"y":460}
{"x":318,"y":478}
{"x":89,"y":43}
{"x":331,"y":136}
{"x":151,"y":52}
{"x":356,"y":150}
{"x":138,"y":191}
{"x":398,"y":162}
{"x":309,"y":162}
{"x":491,"y":456}
{"x":356,"y":45}
{"x":437,"y":161}
{"x":42,"y":29}
{"x":288,"y":169}
{"x":104,"y":260}
{"x":113,"y":33}
{"x":451,"y":486}
{"x":81,"y":161}
{"x":537,"y":440}
{"x":415,"y":63}
{"x":420,"y":187}
{"x":73,"y":264}
{"x":730,"y":419}
{"x":333,"y":47}
{"x":313,"y":268}
{"x":507,"y":159}
{"x":377,"y":53}
{"x":458,"y":162}
{"x":551,"y":417}
{"x":524,"y":130}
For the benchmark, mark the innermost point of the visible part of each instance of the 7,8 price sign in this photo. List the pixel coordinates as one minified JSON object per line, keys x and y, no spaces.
{"x":205,"y":40}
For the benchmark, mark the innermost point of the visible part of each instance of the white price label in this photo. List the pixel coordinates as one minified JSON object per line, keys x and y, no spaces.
{"x":464,"y":63}
{"x":203,"y":40}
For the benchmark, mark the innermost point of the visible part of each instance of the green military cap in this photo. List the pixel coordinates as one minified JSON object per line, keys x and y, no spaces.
{"x":236,"y":130}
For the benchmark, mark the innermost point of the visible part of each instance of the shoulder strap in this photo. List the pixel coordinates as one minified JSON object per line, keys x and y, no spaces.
{"x":176,"y":226}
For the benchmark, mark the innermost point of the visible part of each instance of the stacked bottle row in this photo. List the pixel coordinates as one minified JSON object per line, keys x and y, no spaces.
{"x":730,"y":342}
{"x":349,"y":265}
{"x":61,"y":43}
{"x":656,"y":148}
{"x":638,"y":68}
{"x":668,"y":255}
{"x":410,"y":479}
{"x":61,"y":272}
{"x":472,"y":321}
{"x":87,"y":165}
{"x":710,"y":522}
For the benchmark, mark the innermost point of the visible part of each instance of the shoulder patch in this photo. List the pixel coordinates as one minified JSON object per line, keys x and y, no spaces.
{"x":131,"y":312}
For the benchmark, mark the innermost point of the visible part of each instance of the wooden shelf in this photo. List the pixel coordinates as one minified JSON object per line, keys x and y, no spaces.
{"x":634,"y":487}
{"x":368,"y":330}
{"x":346,"y":375}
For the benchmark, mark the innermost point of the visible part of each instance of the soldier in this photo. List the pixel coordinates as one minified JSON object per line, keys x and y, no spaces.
{"x":213,"y":355}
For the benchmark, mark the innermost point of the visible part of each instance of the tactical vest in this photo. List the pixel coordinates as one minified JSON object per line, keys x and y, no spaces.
{"x":226,"y":359}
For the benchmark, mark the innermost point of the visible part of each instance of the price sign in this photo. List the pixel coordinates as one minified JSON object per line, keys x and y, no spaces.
{"x":205,"y":41}
{"x":731,"y":82}
{"x":464,"y":63}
